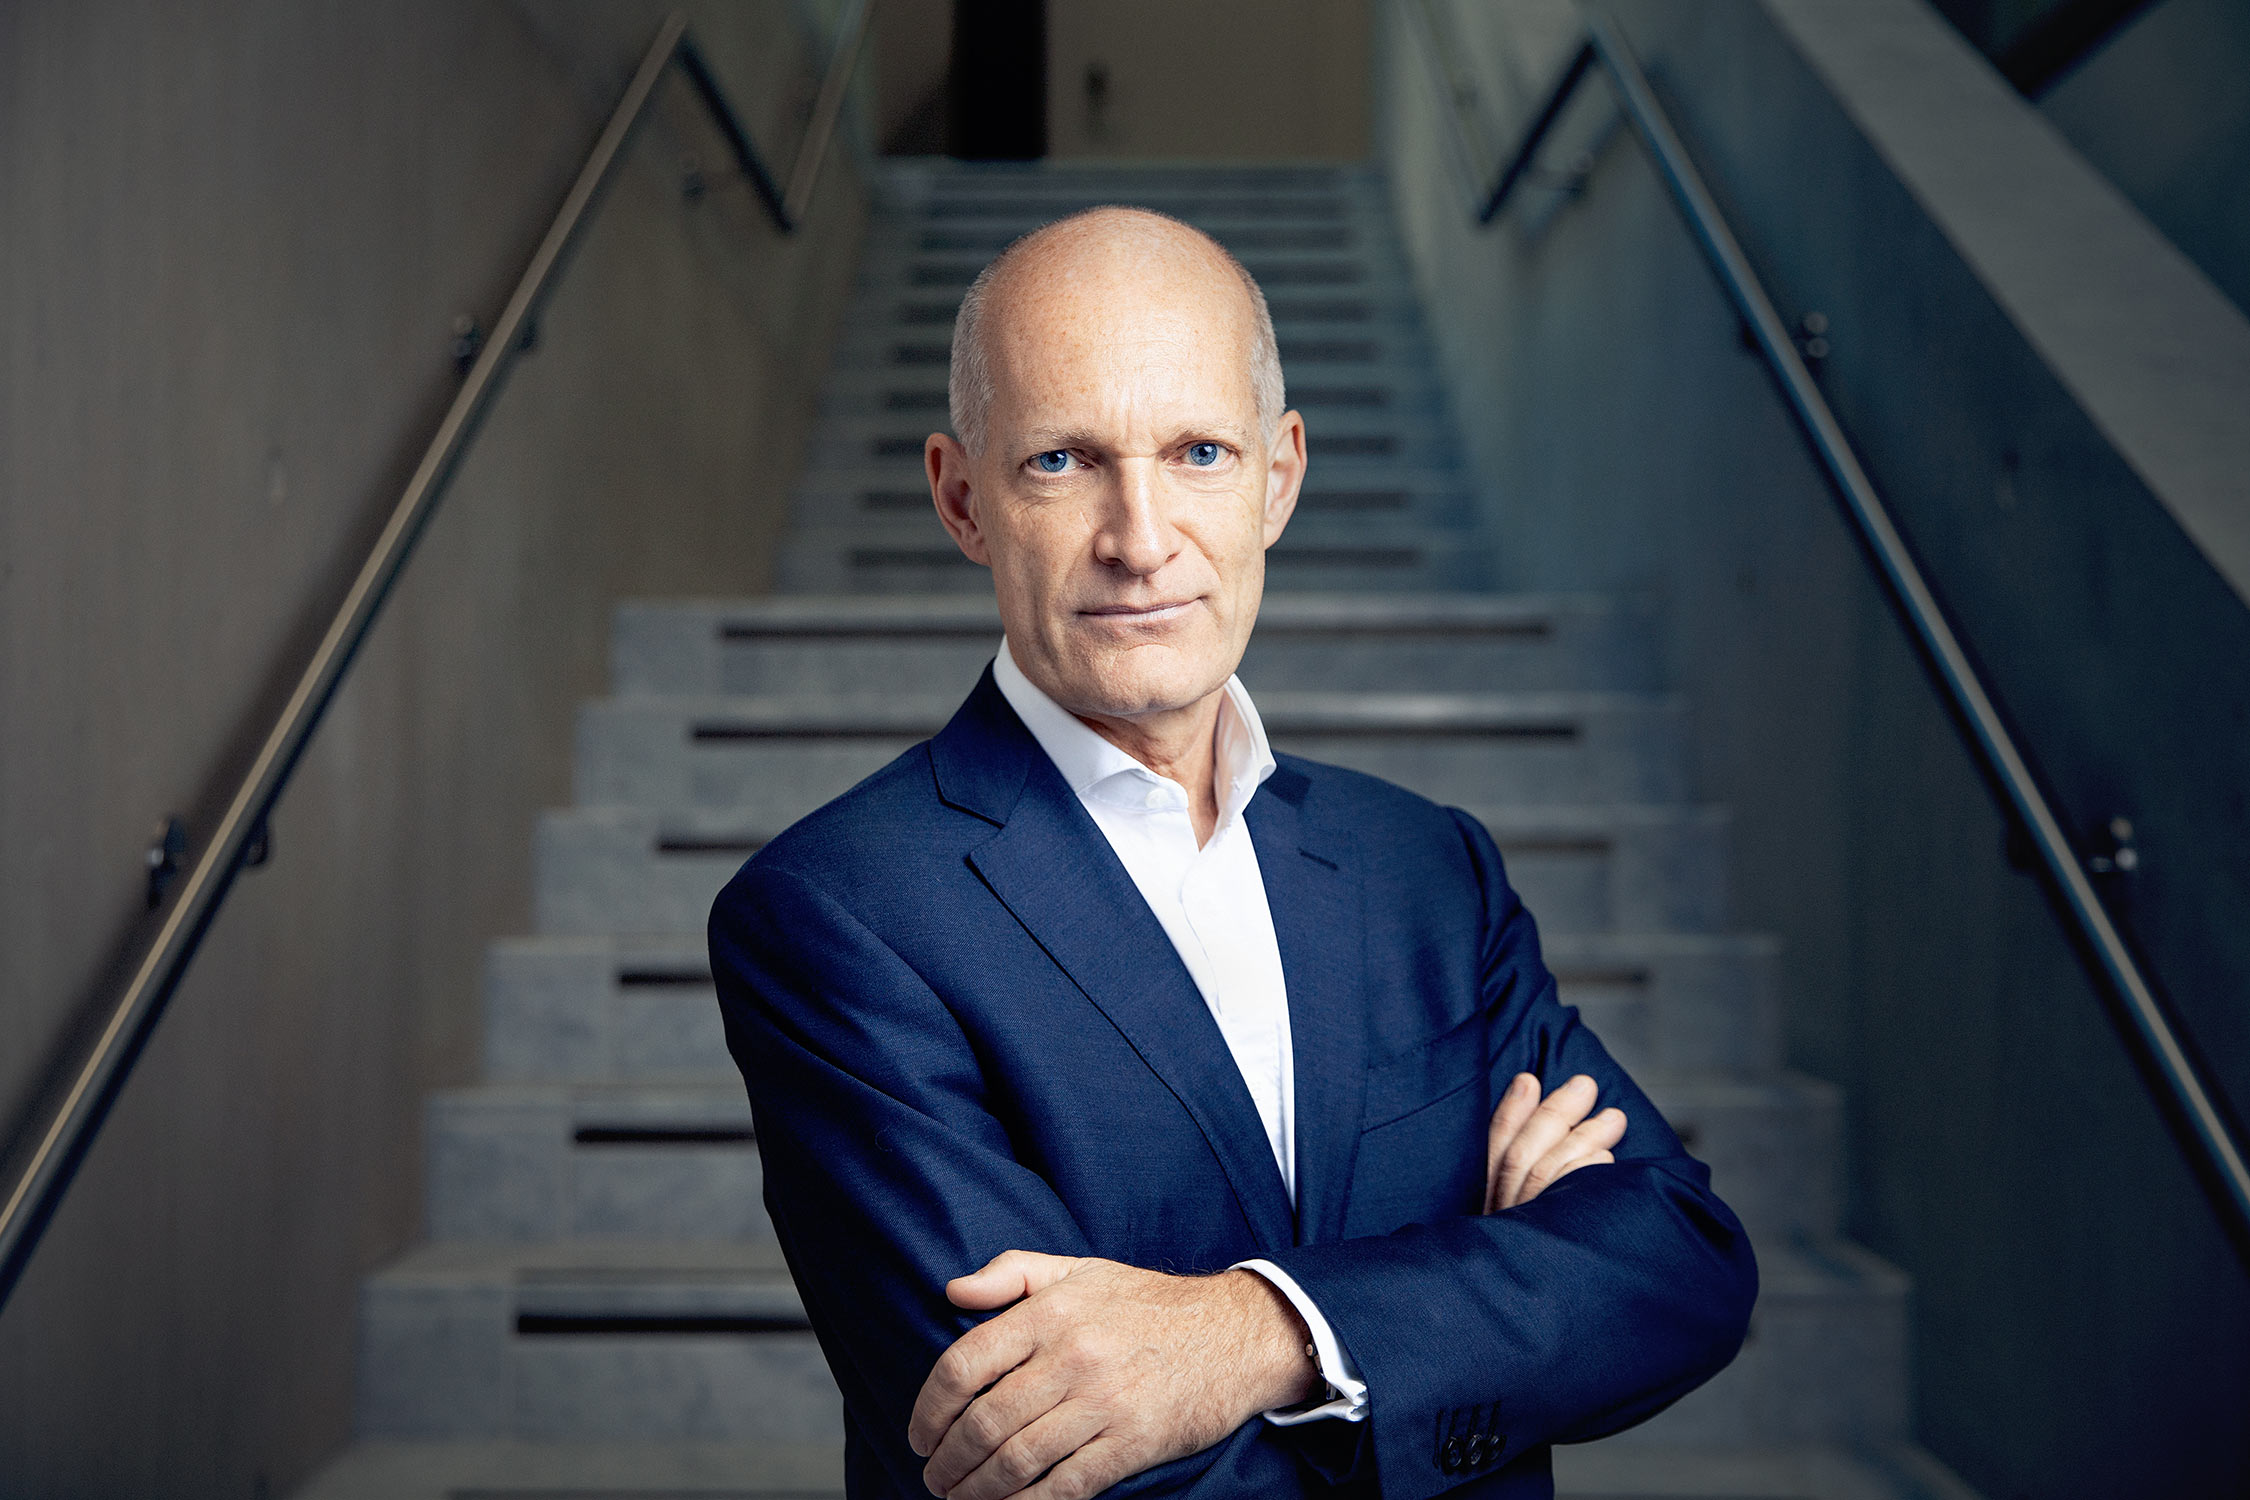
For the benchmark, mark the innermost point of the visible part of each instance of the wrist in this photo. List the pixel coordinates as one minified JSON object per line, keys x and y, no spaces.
{"x":1283,"y":1368}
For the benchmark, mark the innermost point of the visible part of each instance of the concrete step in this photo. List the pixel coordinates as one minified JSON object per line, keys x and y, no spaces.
{"x":1618,"y":868}
{"x":878,"y":393}
{"x":1825,"y":1363}
{"x":1580,"y":870}
{"x":602,"y":1008}
{"x":1774,"y":1144}
{"x":855,"y":645}
{"x":1615,"y":1470}
{"x":1672,"y":1002}
{"x":905,"y":329}
{"x":1410,"y":438}
{"x":860,"y":559}
{"x":504,"y":1469}
{"x":591,"y":1343}
{"x":879,"y":494}
{"x":528,"y":1162}
{"x":777,"y":759}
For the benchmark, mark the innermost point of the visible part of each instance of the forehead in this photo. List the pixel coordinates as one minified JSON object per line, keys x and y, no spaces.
{"x":1153,"y":327}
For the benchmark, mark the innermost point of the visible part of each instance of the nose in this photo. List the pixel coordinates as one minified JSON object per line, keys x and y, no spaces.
{"x":1135,"y":532}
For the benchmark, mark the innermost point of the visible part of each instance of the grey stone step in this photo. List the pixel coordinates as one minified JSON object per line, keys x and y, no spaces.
{"x":600,"y":870}
{"x":1436,"y":497}
{"x":602,"y":1008}
{"x":528,"y":1162}
{"x":505,"y":1469}
{"x":1672,"y":1002}
{"x":1615,"y":1470}
{"x":590,"y":1343}
{"x":913,"y":330}
{"x":1414,"y":439}
{"x":1773,"y":1143}
{"x":1618,"y":868}
{"x":1826,"y":1360}
{"x":779,"y":759}
{"x":936,"y":646}
{"x":850,"y":560}
{"x":859,"y":396}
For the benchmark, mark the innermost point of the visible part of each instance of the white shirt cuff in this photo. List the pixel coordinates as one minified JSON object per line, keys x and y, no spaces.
{"x":1347,"y":1392}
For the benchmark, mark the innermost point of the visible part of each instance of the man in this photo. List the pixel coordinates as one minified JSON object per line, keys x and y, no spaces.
{"x":1132,"y":1099}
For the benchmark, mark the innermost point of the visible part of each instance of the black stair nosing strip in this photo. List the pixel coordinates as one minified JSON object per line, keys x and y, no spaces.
{"x":1556,"y":843}
{"x":1271,"y":274}
{"x":933,"y":314}
{"x":1530,"y":731}
{"x":710,"y":843}
{"x":1367,"y":397}
{"x":722,"y":732}
{"x":664,"y":1135}
{"x":1032,"y":211}
{"x":918,"y":631}
{"x":1528,"y":629}
{"x":1621,"y":974}
{"x":536,"y":1325}
{"x":664,"y":977}
{"x":1250,"y":237}
{"x":917,"y":401}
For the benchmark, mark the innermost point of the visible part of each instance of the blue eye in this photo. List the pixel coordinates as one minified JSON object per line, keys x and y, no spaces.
{"x":1203,"y":455}
{"x":1053,"y":461}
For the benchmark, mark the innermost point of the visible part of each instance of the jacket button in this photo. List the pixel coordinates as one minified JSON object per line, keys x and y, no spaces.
{"x":1474,"y":1456}
{"x":1449,"y":1456}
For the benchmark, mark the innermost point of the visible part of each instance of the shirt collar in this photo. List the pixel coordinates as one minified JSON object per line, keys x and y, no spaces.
{"x":1243,"y":760}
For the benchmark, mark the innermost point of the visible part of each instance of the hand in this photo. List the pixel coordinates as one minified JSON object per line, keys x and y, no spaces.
{"x":1533,"y":1143}
{"x":1099,"y":1371}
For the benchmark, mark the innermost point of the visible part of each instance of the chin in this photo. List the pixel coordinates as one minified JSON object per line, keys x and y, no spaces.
{"x":1134,"y":681}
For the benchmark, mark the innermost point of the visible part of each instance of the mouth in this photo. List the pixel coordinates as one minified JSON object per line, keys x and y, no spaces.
{"x":1140,"y":614}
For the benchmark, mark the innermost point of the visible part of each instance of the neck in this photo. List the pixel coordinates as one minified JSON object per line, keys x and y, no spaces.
{"x":1178,"y":743}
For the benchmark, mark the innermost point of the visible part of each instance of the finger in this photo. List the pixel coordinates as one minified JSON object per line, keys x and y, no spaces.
{"x":975,"y":1360}
{"x":1597,"y":1135}
{"x":1008,"y":1277}
{"x":1548,"y":1124}
{"x":1020,"y":1461}
{"x":1096,"y":1466}
{"x":989,"y":1423}
{"x":1516,"y":1105}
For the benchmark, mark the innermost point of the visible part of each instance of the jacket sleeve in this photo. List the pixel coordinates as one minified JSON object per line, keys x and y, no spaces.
{"x":1604,"y":1299}
{"x":887,"y":1171}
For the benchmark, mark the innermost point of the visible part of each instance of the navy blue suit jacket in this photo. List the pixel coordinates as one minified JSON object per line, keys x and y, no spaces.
{"x":964,"y":1032}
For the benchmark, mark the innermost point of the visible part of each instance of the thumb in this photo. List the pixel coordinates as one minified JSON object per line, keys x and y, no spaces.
{"x":1008,"y":1277}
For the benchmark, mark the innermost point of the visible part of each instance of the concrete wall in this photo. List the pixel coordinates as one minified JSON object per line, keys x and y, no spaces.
{"x":1208,"y":79}
{"x":2082,"y":1328}
{"x":235,"y":242}
{"x":2163,"y":111}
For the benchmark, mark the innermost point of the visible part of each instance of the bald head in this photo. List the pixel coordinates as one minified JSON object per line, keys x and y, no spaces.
{"x":1125,"y":253}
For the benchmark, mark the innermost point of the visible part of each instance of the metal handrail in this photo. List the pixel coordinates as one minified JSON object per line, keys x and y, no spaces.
{"x":2207,"y":1132}
{"x":77,"y":1117}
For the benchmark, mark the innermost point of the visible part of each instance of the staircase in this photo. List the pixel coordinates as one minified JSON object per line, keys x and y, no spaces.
{"x":599,"y":1308}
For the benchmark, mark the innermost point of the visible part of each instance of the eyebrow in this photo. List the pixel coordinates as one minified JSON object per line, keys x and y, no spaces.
{"x":1048,"y":439}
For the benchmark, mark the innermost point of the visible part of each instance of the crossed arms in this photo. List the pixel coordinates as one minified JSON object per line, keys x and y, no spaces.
{"x":894,"y":1168}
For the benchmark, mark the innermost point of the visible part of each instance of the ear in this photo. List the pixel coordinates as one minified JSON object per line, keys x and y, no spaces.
{"x":1285,"y":474}
{"x":955,"y":496}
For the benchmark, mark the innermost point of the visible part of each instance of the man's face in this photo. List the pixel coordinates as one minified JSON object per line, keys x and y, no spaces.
{"x":1125,"y":495}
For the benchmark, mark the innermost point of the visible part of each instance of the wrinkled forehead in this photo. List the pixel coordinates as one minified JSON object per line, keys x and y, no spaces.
{"x":1161,"y":327}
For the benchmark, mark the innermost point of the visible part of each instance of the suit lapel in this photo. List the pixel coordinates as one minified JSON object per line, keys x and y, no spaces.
{"x":1315,"y":900}
{"x":1053,"y":870}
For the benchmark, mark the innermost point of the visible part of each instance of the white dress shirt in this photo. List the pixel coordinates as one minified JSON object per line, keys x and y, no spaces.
{"x":1211,"y":902}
